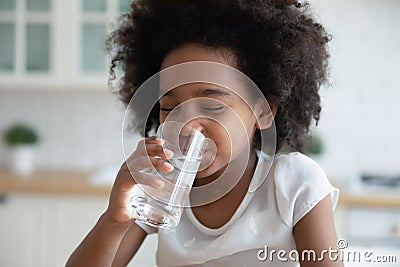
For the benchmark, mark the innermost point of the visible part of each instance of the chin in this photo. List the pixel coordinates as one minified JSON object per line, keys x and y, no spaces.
{"x":204,"y":173}
{"x":212,"y":171}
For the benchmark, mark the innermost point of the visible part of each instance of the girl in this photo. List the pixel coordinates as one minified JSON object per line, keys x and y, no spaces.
{"x":268,"y":218}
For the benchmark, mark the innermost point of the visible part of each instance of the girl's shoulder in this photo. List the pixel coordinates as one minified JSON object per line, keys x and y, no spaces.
{"x":297,"y":162}
{"x":300,"y":183}
{"x":295,"y":171}
{"x":293,"y":164}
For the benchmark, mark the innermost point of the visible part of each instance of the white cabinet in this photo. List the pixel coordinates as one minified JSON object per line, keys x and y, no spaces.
{"x":48,"y":44}
{"x":20,"y":232}
{"x":374,"y":226}
{"x":369,"y":219}
{"x":43,"y":230}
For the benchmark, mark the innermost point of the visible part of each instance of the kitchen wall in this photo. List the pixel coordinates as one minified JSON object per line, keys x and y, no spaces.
{"x":360,"y":119}
{"x":78,"y":129}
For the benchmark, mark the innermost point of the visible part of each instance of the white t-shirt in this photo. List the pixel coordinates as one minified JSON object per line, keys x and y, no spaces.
{"x":263,"y":221}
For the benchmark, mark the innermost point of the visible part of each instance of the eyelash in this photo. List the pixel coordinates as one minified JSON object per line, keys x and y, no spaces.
{"x":207,"y":109}
{"x":166,"y":109}
{"x":214,"y":108}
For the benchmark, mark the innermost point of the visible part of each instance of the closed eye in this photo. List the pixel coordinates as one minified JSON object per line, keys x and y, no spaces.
{"x":213,"y":108}
{"x":166,"y":109}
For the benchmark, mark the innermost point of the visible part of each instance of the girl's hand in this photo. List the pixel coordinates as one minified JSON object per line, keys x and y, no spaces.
{"x":149,"y":154}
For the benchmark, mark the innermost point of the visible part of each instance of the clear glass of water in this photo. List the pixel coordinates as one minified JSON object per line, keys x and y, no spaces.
{"x":163,"y":207}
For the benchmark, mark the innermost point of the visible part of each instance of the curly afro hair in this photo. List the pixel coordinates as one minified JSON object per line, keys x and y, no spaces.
{"x":276,"y":43}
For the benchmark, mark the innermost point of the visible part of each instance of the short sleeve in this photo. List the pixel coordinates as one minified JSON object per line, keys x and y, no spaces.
{"x":300,"y":185}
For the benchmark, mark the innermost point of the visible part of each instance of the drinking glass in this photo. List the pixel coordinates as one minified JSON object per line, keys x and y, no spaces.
{"x":163,"y":207}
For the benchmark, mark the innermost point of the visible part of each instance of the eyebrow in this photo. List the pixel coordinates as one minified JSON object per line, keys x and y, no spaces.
{"x":213,"y":91}
{"x":210,"y":91}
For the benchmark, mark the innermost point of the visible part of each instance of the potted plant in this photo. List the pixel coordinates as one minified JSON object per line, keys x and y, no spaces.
{"x":314,"y":145}
{"x":21,"y":140}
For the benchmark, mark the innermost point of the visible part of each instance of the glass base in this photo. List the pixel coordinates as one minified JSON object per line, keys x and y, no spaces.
{"x":153,"y":216}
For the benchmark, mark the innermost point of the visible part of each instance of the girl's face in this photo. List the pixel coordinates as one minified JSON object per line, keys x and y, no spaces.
{"x":218,"y":112}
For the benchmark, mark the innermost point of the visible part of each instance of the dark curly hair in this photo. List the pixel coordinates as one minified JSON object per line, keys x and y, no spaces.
{"x":276,"y":43}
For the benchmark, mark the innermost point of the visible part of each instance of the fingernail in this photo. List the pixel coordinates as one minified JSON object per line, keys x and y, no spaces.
{"x":158,"y":183}
{"x":168,"y":165}
{"x":168,"y":153}
{"x":158,"y":139}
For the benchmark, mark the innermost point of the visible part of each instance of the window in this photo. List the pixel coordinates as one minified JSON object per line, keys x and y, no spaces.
{"x":95,"y":16}
{"x":55,"y":43}
{"x":25,"y":36}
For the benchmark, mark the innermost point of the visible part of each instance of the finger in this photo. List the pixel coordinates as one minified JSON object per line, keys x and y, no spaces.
{"x":148,"y":179}
{"x":158,"y":150}
{"x":149,"y":140}
{"x":146,"y":162}
{"x":153,"y":149}
{"x":124,"y":180}
{"x":153,"y":140}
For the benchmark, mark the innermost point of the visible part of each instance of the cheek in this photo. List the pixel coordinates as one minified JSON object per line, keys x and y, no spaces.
{"x":230,"y":140}
{"x":162,"y":117}
{"x":240,"y":130}
{"x":222,"y":140}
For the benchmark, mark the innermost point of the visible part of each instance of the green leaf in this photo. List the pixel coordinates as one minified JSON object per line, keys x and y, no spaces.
{"x":20,"y":134}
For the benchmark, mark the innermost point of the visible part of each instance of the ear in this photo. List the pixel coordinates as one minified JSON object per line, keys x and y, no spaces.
{"x":264,"y":113}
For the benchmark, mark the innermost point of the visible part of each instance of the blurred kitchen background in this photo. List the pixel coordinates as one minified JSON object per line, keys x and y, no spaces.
{"x":53,"y":81}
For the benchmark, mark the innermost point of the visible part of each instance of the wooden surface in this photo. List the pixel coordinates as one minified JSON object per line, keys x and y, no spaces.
{"x":390,"y":200}
{"x":52,"y":182}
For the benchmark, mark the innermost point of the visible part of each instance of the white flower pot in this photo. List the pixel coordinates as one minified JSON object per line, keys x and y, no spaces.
{"x":21,"y":159}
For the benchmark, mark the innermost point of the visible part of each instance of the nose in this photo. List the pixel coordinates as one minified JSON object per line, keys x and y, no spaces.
{"x":194,"y":124}
{"x":187,"y":114}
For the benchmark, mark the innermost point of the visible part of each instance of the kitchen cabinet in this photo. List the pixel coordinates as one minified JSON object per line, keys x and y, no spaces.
{"x":370,"y":219}
{"x":373,"y":226}
{"x":39,"y":230}
{"x":44,"y":216}
{"x":53,"y":44}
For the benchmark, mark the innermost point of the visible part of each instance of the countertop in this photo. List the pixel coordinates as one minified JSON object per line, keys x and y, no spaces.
{"x":75,"y":182}
{"x":79,"y":182}
{"x":374,"y":199}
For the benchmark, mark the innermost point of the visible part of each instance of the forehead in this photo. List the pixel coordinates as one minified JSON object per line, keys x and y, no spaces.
{"x":212,"y":68}
{"x":204,"y":78}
